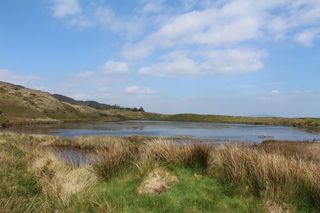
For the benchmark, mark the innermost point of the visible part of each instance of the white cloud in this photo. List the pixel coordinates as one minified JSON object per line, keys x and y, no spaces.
{"x":64,"y":8}
{"x":96,"y":14}
{"x":214,"y":26}
{"x":274,"y":92}
{"x":225,"y":61}
{"x":86,"y":74}
{"x":173,"y":67}
{"x":232,"y":61}
{"x":217,"y":28}
{"x":228,"y":24}
{"x":153,"y":6}
{"x":307,"y":37}
{"x":115,"y":67}
{"x":7,"y":76}
{"x":137,"y":90}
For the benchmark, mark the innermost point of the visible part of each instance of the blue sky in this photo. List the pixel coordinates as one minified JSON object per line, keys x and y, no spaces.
{"x":242,"y":57}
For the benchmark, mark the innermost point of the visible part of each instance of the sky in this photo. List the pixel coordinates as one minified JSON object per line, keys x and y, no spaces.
{"x":241,"y":57}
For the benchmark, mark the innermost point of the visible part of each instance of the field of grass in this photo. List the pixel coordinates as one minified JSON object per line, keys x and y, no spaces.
{"x":137,"y":174}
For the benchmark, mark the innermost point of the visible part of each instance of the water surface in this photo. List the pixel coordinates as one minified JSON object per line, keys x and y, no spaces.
{"x":200,"y":130}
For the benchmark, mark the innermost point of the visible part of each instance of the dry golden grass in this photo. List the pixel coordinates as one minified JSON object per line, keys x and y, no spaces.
{"x":57,"y":178}
{"x":112,"y":159}
{"x":147,"y":156}
{"x":157,"y":181}
{"x":277,"y":176}
{"x":300,"y":150}
{"x":82,"y":142}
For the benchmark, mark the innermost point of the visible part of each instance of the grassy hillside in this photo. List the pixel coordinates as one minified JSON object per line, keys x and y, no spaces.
{"x":20,"y":105}
{"x":95,"y":104}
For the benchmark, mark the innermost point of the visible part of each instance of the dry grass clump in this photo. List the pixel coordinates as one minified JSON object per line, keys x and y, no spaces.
{"x":271,"y":174}
{"x":57,"y":178}
{"x":162,"y":150}
{"x":157,"y":181}
{"x":30,"y":140}
{"x":196,"y":155}
{"x":91,"y":141}
{"x":306,"y":150}
{"x":274,"y":207}
{"x":112,"y":159}
{"x":82,"y":142}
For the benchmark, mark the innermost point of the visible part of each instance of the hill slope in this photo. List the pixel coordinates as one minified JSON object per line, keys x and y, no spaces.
{"x":20,"y":105}
{"x":95,"y":104}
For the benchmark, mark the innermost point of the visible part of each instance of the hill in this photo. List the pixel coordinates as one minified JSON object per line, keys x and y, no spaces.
{"x":20,"y":105}
{"x":95,"y":104}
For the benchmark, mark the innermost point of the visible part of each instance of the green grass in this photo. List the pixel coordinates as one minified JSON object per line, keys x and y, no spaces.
{"x":193,"y":193}
{"x":19,"y":190}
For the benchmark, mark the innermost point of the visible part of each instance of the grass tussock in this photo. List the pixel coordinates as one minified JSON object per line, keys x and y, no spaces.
{"x":308,"y":151}
{"x":33,"y":179}
{"x":110,"y":160}
{"x":57,"y":178}
{"x":271,"y":175}
{"x":156,"y":182}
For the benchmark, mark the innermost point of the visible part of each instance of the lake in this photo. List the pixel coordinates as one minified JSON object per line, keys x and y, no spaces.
{"x":200,"y":130}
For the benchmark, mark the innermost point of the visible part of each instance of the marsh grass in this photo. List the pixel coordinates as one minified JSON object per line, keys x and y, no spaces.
{"x":19,"y":190}
{"x":272,"y":176}
{"x":145,"y":157}
{"x":110,"y":160}
{"x":267,"y":173}
{"x":307,"y":150}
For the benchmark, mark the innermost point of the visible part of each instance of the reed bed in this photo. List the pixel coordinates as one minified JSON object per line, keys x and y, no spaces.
{"x":277,"y":176}
{"x":146,"y":156}
{"x":271,"y":175}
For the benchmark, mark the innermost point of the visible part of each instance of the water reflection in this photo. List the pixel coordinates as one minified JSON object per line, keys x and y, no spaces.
{"x":75,"y":156}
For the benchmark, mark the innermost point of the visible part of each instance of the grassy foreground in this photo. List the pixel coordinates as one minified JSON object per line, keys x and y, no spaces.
{"x":130,"y":174}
